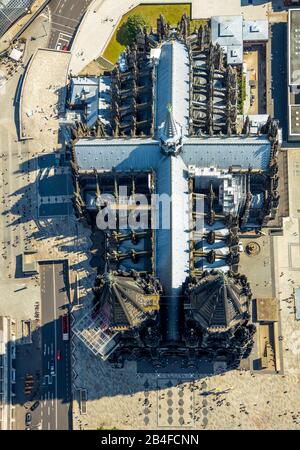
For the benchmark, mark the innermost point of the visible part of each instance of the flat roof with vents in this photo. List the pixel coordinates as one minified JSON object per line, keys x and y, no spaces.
{"x":294,"y":47}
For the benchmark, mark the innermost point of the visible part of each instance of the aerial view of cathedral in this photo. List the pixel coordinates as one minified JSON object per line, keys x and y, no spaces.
{"x":149,"y":218}
{"x":169,"y":124}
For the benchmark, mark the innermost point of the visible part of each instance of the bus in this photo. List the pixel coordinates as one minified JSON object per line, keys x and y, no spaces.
{"x":65,"y":327}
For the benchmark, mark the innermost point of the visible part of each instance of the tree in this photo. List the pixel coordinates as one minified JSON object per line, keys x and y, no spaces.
{"x":133,"y":25}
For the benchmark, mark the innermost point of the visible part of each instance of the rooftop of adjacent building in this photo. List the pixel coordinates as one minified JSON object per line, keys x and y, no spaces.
{"x":294,"y":46}
{"x":232,"y":31}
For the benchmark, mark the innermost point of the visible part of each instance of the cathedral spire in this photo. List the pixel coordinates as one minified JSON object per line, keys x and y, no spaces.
{"x":170,"y":134}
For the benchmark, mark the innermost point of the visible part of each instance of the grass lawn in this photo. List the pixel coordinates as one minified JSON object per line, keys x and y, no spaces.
{"x":172,"y":14}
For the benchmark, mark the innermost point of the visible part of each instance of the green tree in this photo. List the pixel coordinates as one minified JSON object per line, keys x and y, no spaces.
{"x":133,"y":24}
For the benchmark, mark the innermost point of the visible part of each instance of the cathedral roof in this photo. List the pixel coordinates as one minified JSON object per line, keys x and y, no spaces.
{"x":217,"y":301}
{"x":127,"y":300}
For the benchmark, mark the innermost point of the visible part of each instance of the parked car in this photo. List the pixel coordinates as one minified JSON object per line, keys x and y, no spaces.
{"x":28,"y":419}
{"x":35,"y":405}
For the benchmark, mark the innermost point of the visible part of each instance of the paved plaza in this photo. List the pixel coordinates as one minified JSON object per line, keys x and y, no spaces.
{"x":125,"y":399}
{"x":43,"y":96}
{"x":287,"y":279}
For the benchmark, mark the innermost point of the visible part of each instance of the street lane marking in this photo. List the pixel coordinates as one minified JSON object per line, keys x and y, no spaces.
{"x":65,"y":36}
{"x":57,"y":6}
{"x":62,"y":25}
{"x":49,"y":379}
{"x":64,"y":17}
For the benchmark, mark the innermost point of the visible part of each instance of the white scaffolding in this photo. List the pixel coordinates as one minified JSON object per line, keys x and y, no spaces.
{"x":93,"y":330}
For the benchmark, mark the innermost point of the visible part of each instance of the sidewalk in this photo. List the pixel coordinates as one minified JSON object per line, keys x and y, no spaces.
{"x":21,"y":24}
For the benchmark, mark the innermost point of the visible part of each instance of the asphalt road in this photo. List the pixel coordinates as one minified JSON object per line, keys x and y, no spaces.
{"x":65,"y":18}
{"x":56,"y":389}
